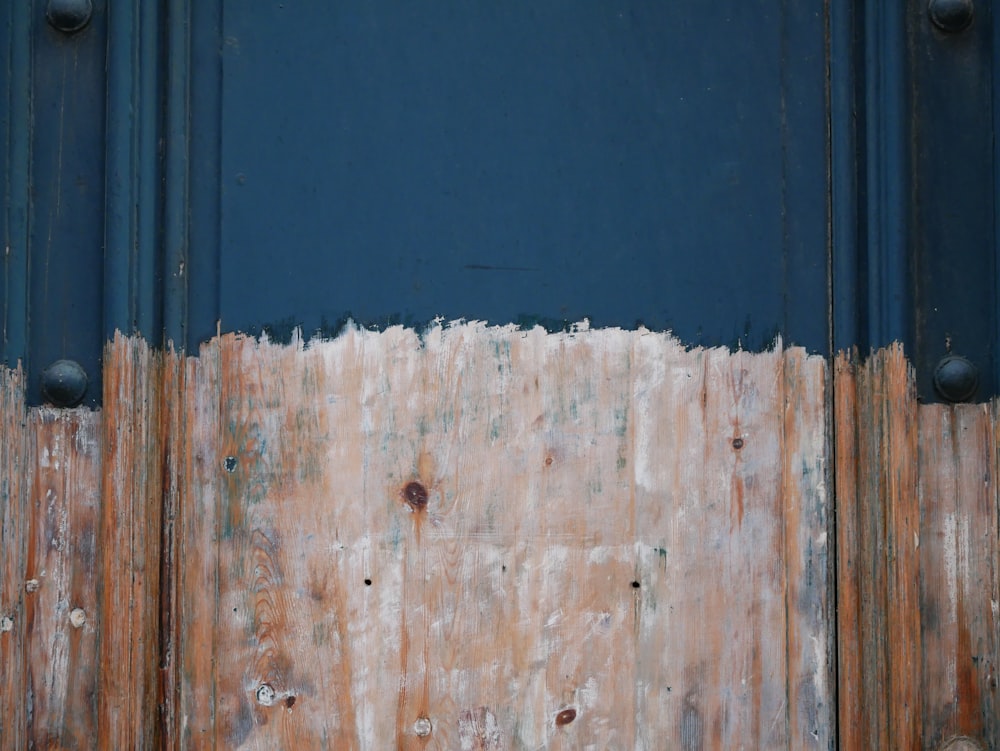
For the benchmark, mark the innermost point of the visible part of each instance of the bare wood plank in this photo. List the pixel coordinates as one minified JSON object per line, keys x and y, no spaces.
{"x":438,"y":543}
{"x":809,"y":575}
{"x":855,"y":726}
{"x":65,"y":499}
{"x":958,"y":572}
{"x":712,"y":493}
{"x":199,"y":464}
{"x":129,"y":547}
{"x":15,"y":479}
{"x":899,"y":463}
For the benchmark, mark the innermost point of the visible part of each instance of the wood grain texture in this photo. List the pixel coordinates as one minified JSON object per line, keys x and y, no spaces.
{"x":493,"y":538}
{"x":62,"y":614}
{"x":15,"y":479}
{"x":917,"y":557}
{"x":129,"y":540}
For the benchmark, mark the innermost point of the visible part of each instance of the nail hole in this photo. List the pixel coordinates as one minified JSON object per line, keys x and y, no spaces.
{"x":290,"y":702}
{"x":737,"y":443}
{"x":230,"y":464}
{"x":566,"y":717}
{"x":636,"y":585}
{"x":77,"y":617}
{"x":368,"y":582}
{"x":548,"y":461}
{"x":415,"y":494}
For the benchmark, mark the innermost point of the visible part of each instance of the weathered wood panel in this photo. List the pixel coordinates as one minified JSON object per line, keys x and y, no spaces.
{"x":15,"y":479}
{"x":917,"y":557}
{"x":492,"y":538}
{"x":129,"y":535}
{"x":61,"y":578}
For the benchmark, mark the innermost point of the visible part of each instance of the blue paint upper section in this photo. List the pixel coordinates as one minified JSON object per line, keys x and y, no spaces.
{"x":627,"y":162}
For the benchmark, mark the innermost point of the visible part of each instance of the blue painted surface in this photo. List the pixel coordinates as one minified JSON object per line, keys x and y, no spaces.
{"x":729,"y":171}
{"x":627,"y":162}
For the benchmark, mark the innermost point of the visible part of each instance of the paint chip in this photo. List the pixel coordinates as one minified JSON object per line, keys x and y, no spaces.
{"x":6,"y":624}
{"x":265,"y":695}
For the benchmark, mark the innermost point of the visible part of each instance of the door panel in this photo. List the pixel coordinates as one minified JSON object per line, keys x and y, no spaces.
{"x":622,"y":162}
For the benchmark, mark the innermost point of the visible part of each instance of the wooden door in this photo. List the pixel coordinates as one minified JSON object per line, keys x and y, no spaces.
{"x":480,"y":376}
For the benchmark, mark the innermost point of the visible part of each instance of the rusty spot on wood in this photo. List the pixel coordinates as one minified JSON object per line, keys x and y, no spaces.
{"x":566,"y":716}
{"x":415,"y":494}
{"x":737,"y":444}
{"x":290,"y":702}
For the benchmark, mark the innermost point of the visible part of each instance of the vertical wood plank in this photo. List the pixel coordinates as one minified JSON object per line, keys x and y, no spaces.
{"x":808,"y":536}
{"x":15,"y":479}
{"x":854,"y":727}
{"x":129,"y":547}
{"x":62,"y":571}
{"x":879,"y":531}
{"x":959,"y":576}
{"x":198,"y":465}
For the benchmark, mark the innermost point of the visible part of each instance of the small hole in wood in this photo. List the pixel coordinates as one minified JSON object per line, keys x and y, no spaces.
{"x":565,"y":717}
{"x":548,"y":461}
{"x":737,"y":444}
{"x":636,"y":585}
{"x":265,"y":695}
{"x":368,"y":582}
{"x":422,"y":727}
{"x":290,"y":702}
{"x":230,"y":463}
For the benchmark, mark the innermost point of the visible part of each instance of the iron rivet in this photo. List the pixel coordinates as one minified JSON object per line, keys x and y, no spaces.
{"x":69,"y":15}
{"x":951,"y":16}
{"x":956,"y":379}
{"x":64,"y":383}
{"x":422,"y":727}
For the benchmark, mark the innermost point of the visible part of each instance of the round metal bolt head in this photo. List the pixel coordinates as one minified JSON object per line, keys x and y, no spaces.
{"x":69,"y":15}
{"x":956,"y":379}
{"x":422,"y":727}
{"x":64,"y":383}
{"x":951,"y":16}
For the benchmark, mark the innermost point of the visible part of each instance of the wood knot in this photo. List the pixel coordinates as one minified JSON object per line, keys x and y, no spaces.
{"x":415,"y":494}
{"x":566,"y":716}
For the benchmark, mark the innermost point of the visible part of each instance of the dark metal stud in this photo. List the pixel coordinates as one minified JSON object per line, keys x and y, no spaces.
{"x":69,"y":15}
{"x":951,"y":16}
{"x":64,"y":383}
{"x":956,"y":379}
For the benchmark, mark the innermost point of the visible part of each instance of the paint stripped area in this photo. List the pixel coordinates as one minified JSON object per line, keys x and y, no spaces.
{"x":489,"y":538}
{"x":478,"y":538}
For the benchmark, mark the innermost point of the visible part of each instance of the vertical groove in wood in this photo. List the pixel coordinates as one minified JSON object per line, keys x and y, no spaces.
{"x":130,"y":538}
{"x":15,"y":479}
{"x":65,"y":498}
{"x":170,"y":441}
